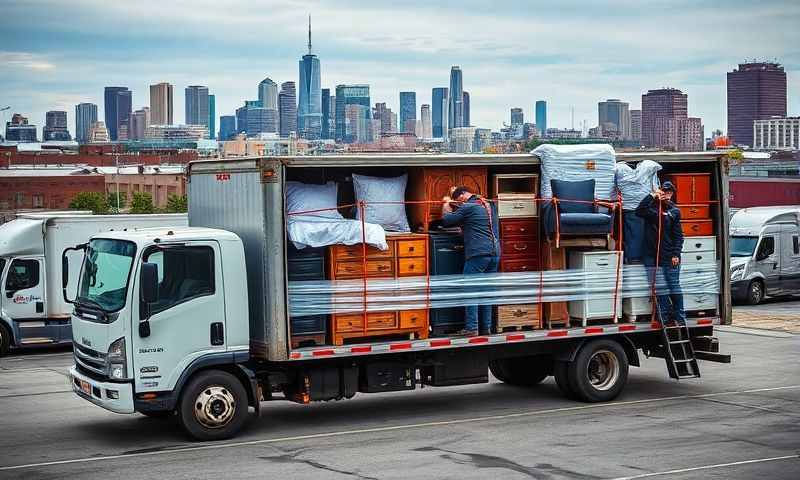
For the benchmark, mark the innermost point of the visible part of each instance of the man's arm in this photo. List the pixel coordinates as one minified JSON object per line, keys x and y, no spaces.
{"x":647,"y":208}
{"x":454,"y":218}
{"x":677,"y":234}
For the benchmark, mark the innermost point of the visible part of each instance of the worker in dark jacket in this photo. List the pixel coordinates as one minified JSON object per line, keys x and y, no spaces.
{"x":478,"y":220}
{"x":664,"y":256}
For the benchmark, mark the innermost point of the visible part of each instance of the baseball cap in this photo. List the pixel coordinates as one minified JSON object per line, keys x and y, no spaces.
{"x":668,"y":186}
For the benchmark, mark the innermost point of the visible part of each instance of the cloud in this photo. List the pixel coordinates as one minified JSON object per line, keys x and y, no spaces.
{"x":24,"y":60}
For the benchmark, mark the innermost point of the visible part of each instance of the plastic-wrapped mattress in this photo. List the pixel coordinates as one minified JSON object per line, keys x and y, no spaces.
{"x":635,"y":184}
{"x":578,"y":162}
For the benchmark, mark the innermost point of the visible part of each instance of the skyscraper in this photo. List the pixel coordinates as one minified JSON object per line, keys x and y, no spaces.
{"x":309,"y":109}
{"x":614,"y":115}
{"x":197,"y":104}
{"x":756,"y":91}
{"x":357,"y":123}
{"x":19,"y":130}
{"x":227,"y":127}
{"x":517,"y":117}
{"x":349,"y":95}
{"x":161,"y":103}
{"x":636,"y":124}
{"x":287,"y":106}
{"x":268,"y":97}
{"x":140,"y":120}
{"x":212,"y":116}
{"x":666,"y":124}
{"x":118,"y":102}
{"x":465,"y":101}
{"x":456,"y":107}
{"x":325,"y":131}
{"x":408,"y":111}
{"x":384,"y":115}
{"x":541,"y":116}
{"x":439,"y":112}
{"x":425,"y":117}
{"x":55,"y":126}
{"x":85,"y":116}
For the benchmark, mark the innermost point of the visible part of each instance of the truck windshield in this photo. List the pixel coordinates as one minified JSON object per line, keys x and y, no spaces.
{"x":104,"y":277}
{"x":743,"y":246}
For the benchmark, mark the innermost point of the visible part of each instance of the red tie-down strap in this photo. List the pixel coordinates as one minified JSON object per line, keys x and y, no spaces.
{"x":658,"y":261}
{"x":361,"y":205}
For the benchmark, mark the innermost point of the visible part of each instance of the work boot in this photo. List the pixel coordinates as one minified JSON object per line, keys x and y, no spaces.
{"x":466,"y":333}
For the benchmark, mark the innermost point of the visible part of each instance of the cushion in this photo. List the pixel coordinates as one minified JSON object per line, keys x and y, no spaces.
{"x":391,"y":216}
{"x":565,"y":190}
{"x":585,"y":223}
{"x":306,"y":197}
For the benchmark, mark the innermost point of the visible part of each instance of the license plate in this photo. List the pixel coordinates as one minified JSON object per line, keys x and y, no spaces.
{"x":86,"y":387}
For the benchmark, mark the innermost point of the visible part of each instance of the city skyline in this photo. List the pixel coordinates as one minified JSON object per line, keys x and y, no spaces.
{"x":57,"y":72}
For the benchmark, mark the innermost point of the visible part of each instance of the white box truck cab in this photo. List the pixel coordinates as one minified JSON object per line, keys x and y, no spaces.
{"x":765,"y":252}
{"x":32,"y":309}
{"x":195,"y":322}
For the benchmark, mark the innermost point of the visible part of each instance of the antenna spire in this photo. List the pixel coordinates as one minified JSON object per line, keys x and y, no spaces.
{"x":309,"y":34}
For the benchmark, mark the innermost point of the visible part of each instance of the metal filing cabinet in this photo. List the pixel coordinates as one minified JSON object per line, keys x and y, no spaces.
{"x":307,"y":264}
{"x":601,"y":307}
{"x":446,"y":258}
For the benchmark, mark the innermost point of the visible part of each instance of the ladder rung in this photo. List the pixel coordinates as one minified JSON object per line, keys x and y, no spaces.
{"x":684,"y":361}
{"x":675,"y":342}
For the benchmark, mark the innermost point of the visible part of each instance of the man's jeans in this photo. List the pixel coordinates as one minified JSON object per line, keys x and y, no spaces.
{"x":668,"y":285}
{"x":483,"y":264}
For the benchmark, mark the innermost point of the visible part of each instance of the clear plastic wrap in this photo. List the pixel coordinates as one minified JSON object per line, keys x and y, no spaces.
{"x":578,"y":162}
{"x":636,"y":183}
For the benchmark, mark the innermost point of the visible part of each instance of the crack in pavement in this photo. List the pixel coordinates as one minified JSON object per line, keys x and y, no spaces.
{"x":755,"y":407}
{"x":291,"y":457}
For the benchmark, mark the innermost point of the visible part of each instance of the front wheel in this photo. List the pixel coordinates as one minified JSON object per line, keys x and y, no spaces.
{"x":599,"y":371}
{"x":5,"y":339}
{"x":213,"y":406}
{"x":755,"y":292}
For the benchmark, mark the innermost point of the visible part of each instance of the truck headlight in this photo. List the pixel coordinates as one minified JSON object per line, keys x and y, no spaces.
{"x":116,"y":360}
{"x":737,"y":272}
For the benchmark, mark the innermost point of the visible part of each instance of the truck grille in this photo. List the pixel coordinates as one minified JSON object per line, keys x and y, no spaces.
{"x":90,"y":361}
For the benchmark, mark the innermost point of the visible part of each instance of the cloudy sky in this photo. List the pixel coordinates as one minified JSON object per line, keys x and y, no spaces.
{"x":57,"y":53}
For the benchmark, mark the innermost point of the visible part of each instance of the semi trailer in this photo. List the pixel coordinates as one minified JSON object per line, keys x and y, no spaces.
{"x":206,"y":322}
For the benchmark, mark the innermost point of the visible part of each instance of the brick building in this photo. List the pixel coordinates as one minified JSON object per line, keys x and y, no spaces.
{"x":47,"y":188}
{"x":756,"y":91}
{"x":666,"y":123}
{"x":96,"y":155}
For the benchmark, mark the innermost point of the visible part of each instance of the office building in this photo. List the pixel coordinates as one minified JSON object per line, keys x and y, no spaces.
{"x":440,"y":106}
{"x":19,"y":130}
{"x":636,"y":125}
{"x":85,"y":116}
{"x":666,"y":123}
{"x":384,"y":115}
{"x":197,"y":103}
{"x":465,"y":102}
{"x":541,"y":116}
{"x":425,"y":120}
{"x":309,"y":108}
{"x":55,"y":127}
{"x":176,"y":132}
{"x":349,"y":95}
{"x":408,"y":111}
{"x":287,"y":109}
{"x":140,"y":120}
{"x":328,"y":114}
{"x":756,"y":91}
{"x":227,"y":127}
{"x":98,"y":133}
{"x":483,"y":139}
{"x":212,"y":116}
{"x":462,"y":139}
{"x":614,"y":118}
{"x":260,"y":120}
{"x":517,"y":117}
{"x":268,"y":94}
{"x":161,"y":103}
{"x":118,"y":102}
{"x":357,"y":123}
{"x":777,"y":133}
{"x":456,"y":106}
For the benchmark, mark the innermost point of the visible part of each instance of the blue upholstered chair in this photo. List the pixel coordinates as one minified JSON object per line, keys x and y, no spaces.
{"x":575,"y":218}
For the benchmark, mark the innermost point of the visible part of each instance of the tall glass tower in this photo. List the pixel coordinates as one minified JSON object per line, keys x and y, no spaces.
{"x":85,"y":116}
{"x":309,"y":107}
{"x":118,"y":102}
{"x":541,"y":117}
{"x":456,"y":113}
{"x":440,"y":106}
{"x":349,"y":95}
{"x":408,"y":111}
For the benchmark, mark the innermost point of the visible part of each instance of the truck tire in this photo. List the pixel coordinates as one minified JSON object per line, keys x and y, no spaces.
{"x":213,"y":406}
{"x":522,"y":371}
{"x":755,"y":292}
{"x":561,"y":374}
{"x":599,"y":371}
{"x":5,"y":339}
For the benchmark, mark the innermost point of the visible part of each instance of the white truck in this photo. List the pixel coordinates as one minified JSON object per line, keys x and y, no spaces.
{"x":32,"y":309}
{"x":197,"y":322}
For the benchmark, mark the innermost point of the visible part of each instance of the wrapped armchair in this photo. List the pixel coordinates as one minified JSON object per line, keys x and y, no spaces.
{"x":565,"y":217}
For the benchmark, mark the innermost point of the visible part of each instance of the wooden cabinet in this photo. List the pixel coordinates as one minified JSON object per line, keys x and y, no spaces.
{"x":519,"y":247}
{"x":555,"y":313}
{"x":407,"y":256}
{"x":693,"y":197}
{"x":515,"y":194}
{"x":431,"y":184}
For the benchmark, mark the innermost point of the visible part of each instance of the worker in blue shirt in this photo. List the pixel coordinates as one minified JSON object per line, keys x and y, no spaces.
{"x":478,"y":220}
{"x":668,"y":249}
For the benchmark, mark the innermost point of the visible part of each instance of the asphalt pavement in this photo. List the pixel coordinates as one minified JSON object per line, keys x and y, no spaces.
{"x":738,"y":421}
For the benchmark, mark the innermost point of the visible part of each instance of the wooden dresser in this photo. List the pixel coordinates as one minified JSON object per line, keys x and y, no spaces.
{"x":693,"y":198}
{"x":519,"y":240}
{"x":431,"y":184}
{"x":407,"y":256}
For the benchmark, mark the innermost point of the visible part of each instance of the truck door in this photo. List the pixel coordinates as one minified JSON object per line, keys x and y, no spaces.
{"x":23,"y":299}
{"x":188,"y":320}
{"x":790,"y":259}
{"x":768,"y":262}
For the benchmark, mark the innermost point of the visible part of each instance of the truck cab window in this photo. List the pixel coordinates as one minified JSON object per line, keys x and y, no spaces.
{"x":22,"y":274}
{"x":766,"y":248}
{"x":184,"y":273}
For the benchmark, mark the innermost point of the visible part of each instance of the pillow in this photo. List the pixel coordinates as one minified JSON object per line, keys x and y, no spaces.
{"x":391,"y":217}
{"x":565,"y":190}
{"x":305,"y":197}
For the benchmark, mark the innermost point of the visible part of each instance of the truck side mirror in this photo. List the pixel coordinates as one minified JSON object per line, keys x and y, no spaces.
{"x":65,"y":270}
{"x":148,"y":287}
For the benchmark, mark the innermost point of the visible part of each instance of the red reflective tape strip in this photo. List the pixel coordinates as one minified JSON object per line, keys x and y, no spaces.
{"x":557,"y":333}
{"x":322,"y":353}
{"x":591,"y":330}
{"x":400,"y":346}
{"x":361,"y":349}
{"x":655,"y":325}
{"x":626,"y":328}
{"x":295,"y":355}
{"x":478,"y":340}
{"x":705,"y":321}
{"x":442,"y":342}
{"x":515,"y":337}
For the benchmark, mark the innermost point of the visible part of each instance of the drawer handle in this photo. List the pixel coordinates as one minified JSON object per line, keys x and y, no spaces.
{"x":348,"y":268}
{"x":522,"y":248}
{"x":458,"y":247}
{"x":410,"y":249}
{"x":695,"y":227}
{"x":519,"y":312}
{"x":411,"y":266}
{"x":522,"y":229}
{"x":519,"y":206}
{"x":383,"y":268}
{"x":693,"y":210}
{"x":524,"y":267}
{"x":698,"y":245}
{"x":602,"y":264}
{"x":699,"y":257}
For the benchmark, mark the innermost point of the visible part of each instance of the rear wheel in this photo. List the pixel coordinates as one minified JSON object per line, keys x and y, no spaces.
{"x":599,"y":371}
{"x":755,"y":292}
{"x":213,"y":406}
{"x":522,"y":371}
{"x":5,"y":339}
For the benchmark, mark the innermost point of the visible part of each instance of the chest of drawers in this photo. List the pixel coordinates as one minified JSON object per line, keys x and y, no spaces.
{"x":600,"y":283}
{"x":693,"y":199}
{"x":519,"y":247}
{"x":431,"y":184}
{"x":407,"y":256}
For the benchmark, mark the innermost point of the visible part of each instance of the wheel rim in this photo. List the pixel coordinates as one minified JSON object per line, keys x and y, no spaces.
{"x":755,"y":292}
{"x":214,"y":407}
{"x":603,"y":370}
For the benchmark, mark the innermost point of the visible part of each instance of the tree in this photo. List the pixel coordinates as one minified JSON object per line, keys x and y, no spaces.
{"x":111,"y":199}
{"x":94,"y":201}
{"x":177,"y":203}
{"x":142,"y":203}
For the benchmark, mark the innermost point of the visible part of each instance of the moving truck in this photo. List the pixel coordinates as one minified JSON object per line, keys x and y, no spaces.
{"x":197,"y":322}
{"x":765,"y":252}
{"x":32,"y":309}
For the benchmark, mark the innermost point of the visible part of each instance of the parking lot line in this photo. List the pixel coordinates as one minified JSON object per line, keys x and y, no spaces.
{"x":708,"y":467}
